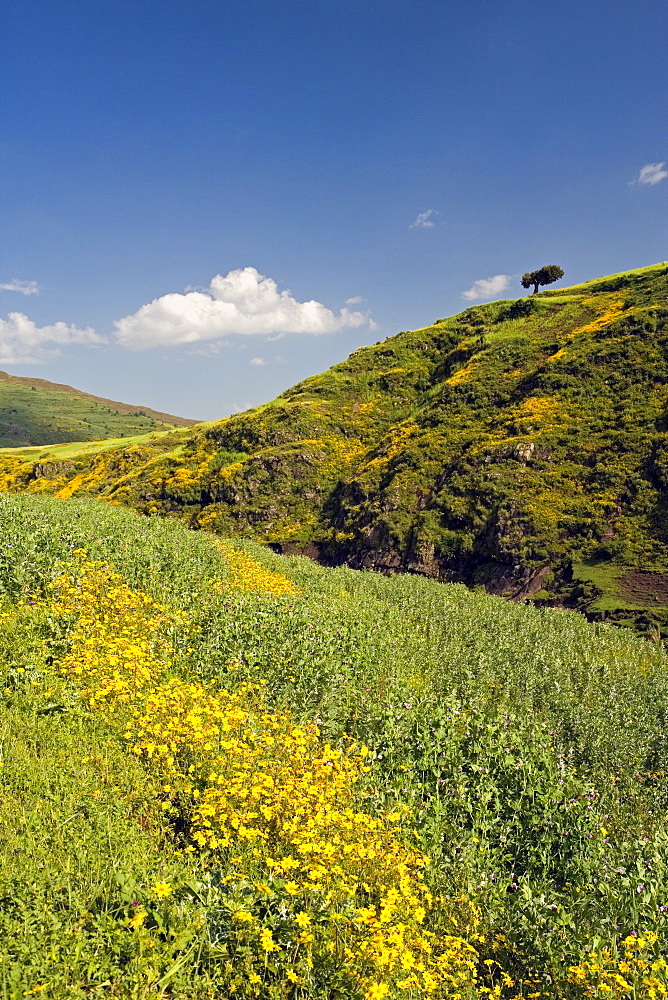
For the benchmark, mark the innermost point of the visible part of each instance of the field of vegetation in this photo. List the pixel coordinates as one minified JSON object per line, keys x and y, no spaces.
{"x":520,"y":447}
{"x":226,"y":773}
{"x":36,"y":412}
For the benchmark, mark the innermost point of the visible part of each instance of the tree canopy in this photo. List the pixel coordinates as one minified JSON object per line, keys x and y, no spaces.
{"x":543,"y":276}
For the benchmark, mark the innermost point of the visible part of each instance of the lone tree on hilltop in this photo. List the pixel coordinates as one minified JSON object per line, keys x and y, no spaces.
{"x":543,"y":276}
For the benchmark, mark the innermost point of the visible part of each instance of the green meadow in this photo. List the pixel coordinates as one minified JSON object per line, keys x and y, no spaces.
{"x":524,"y":747}
{"x":82,"y":449}
{"x":36,"y":412}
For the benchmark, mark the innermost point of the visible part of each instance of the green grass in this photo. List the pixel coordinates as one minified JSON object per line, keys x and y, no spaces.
{"x":529,"y":745}
{"x":622,"y":278}
{"x":36,"y":412}
{"x":79,"y":449}
{"x":608,"y":579}
{"x":81,"y":836}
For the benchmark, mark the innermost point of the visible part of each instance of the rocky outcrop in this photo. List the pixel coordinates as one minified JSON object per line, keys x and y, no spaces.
{"x":51,"y":470}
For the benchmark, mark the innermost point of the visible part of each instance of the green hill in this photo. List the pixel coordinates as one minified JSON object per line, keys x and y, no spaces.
{"x":520,"y":446}
{"x":36,"y":412}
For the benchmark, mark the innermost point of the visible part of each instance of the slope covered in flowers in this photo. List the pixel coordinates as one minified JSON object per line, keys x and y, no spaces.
{"x":295,"y":782}
{"x":519,"y":446}
{"x":322,"y":883}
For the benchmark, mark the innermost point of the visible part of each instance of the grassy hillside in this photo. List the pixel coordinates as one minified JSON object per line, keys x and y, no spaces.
{"x":36,"y":412}
{"x":228,"y":773}
{"x":520,"y":447}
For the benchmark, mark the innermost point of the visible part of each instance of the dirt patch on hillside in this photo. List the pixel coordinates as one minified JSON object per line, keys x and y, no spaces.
{"x":644,"y":588}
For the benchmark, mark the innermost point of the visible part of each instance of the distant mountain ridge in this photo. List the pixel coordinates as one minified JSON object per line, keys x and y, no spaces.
{"x":33,"y":412}
{"x":520,"y":446}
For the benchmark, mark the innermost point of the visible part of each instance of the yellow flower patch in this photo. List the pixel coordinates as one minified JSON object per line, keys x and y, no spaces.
{"x":634,"y":974}
{"x":250,"y":577}
{"x":273,"y":805}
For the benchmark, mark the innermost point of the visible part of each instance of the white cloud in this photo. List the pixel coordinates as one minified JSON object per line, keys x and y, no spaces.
{"x":355,"y":301}
{"x":424,"y":220}
{"x":651,"y":173}
{"x":257,"y":361}
{"x":24,"y":287}
{"x":24,"y":343}
{"x":487,"y":288}
{"x":210,"y":350}
{"x":242,"y":302}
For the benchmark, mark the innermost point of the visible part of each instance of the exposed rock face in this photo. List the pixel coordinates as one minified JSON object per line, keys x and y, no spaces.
{"x":308,"y":549}
{"x":518,"y":584}
{"x":51,"y":470}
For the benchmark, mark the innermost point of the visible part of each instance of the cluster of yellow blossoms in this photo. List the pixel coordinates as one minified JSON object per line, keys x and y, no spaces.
{"x":318,"y":892}
{"x":249,"y":576}
{"x":635,"y":974}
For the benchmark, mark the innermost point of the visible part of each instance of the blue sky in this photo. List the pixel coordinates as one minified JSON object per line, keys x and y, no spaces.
{"x":214,"y":200}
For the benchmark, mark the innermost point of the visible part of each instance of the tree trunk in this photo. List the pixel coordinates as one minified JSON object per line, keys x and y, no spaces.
{"x":535,"y":287}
